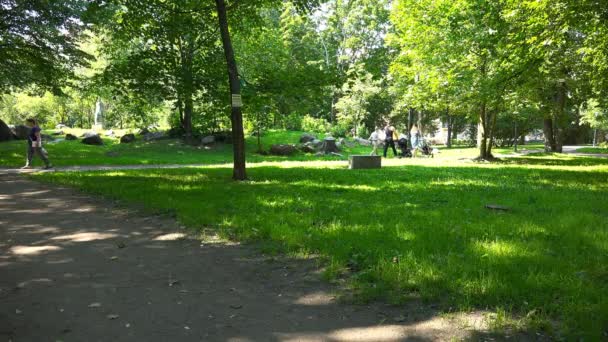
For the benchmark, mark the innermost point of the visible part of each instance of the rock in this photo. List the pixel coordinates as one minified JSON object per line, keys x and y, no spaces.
{"x":92,"y":140}
{"x":5,"y":133}
{"x":364,"y":162}
{"x":109,"y":133}
{"x":155,"y":136}
{"x":223,"y":137}
{"x":143,"y":131}
{"x":210,"y":139}
{"x":307,"y":138}
{"x":70,"y":137}
{"x":307,"y":148}
{"x":58,"y":133}
{"x":61,"y":126}
{"x":127,"y":138}
{"x":21,"y":132}
{"x":88,"y":134}
{"x":46,"y":137}
{"x":362,"y":141}
{"x":282,"y":150}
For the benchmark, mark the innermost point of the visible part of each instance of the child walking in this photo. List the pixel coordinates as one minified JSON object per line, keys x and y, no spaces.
{"x":34,"y":145}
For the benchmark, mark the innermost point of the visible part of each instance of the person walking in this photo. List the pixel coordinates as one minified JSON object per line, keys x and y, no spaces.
{"x":374,"y":138}
{"x":415,"y":140}
{"x":34,"y":145}
{"x":390,"y":139}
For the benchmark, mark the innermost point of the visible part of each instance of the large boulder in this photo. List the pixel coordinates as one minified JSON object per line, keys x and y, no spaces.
{"x":282,"y":149}
{"x":362,"y":141}
{"x":46,"y":137}
{"x":21,"y":132}
{"x":307,"y":138}
{"x":92,"y":140}
{"x":154,"y":136}
{"x":308,"y":148}
{"x":127,"y":138}
{"x":70,"y":137}
{"x":5,"y":133}
{"x":88,"y":134}
{"x":223,"y":137}
{"x":210,"y":139}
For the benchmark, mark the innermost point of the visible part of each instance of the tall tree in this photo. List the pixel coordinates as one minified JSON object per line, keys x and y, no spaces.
{"x":38,"y":42}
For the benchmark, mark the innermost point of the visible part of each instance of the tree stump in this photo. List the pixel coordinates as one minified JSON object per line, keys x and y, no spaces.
{"x":329,"y":146}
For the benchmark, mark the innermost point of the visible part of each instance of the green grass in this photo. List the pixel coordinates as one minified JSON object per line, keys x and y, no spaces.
{"x":170,"y":151}
{"x":173,"y":151}
{"x":419,"y":230}
{"x":592,"y":150}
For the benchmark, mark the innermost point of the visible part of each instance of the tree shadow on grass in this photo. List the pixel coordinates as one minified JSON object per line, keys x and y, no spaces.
{"x":78,"y":269}
{"x":413,"y":231}
{"x":555,"y":159}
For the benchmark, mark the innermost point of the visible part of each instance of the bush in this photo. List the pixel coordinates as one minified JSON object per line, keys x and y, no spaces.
{"x":340,"y":130}
{"x":604,"y":144}
{"x":293,"y":122}
{"x":310,"y":124}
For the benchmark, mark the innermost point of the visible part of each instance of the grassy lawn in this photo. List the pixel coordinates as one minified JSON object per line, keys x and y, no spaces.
{"x":592,"y":150}
{"x":173,"y":151}
{"x":169,"y":151}
{"x":415,"y":231}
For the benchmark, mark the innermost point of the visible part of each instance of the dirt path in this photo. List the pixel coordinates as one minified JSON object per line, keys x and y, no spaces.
{"x":74,"y":268}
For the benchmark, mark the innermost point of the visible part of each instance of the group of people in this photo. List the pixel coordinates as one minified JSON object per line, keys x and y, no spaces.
{"x":389,"y":135}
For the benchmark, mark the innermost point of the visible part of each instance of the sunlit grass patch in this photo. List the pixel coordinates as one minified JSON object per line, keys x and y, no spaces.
{"x":415,"y":229}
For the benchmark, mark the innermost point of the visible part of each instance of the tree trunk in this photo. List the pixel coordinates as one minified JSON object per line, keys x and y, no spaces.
{"x":515,"y":136}
{"x":482,"y":132}
{"x":491,"y":135}
{"x":187,"y":124}
{"x":238,"y":137}
{"x":549,"y":137}
{"x":449,"y":120}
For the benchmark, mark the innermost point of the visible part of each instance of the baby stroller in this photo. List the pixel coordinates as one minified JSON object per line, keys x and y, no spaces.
{"x":426,"y":149}
{"x":405,"y":152}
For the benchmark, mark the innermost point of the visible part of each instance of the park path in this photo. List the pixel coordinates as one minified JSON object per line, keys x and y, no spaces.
{"x":77,"y":268}
{"x":386,"y":162}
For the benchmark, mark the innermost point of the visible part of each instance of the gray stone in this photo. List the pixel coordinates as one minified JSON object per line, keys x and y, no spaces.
{"x":88,"y":134}
{"x":58,"y":133}
{"x":46,"y":137}
{"x":307,"y":138}
{"x":70,"y":137}
{"x":5,"y":133}
{"x":362,"y":141}
{"x":307,"y":148}
{"x":109,"y":133}
{"x":210,"y":139}
{"x":364,"y":162}
{"x":282,"y":149}
{"x":22,"y":132}
{"x":155,"y":136}
{"x":92,"y":140}
{"x":127,"y":138}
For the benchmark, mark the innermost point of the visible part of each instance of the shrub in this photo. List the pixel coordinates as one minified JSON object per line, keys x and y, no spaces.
{"x":310,"y":124}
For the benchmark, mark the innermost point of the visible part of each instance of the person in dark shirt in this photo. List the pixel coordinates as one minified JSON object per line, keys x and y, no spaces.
{"x":34,"y":145}
{"x":390,"y":139}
